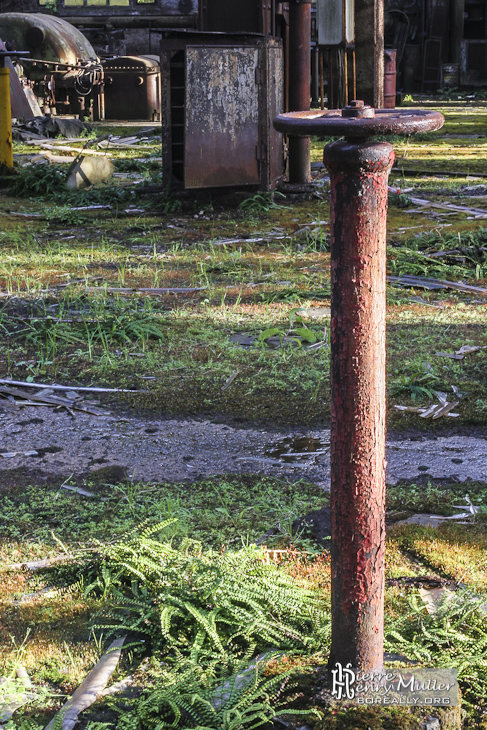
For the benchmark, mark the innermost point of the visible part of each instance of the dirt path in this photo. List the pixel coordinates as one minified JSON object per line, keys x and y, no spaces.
{"x":55,"y":445}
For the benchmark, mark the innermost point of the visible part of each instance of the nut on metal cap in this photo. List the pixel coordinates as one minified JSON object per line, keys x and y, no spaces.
{"x":358,"y":109}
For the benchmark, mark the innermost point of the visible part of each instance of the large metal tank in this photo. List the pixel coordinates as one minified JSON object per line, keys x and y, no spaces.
{"x":133,"y":88}
{"x":46,"y":38}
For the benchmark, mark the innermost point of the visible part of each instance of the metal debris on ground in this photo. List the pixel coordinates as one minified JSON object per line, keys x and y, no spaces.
{"x":460,"y":354}
{"x":42,"y":127}
{"x":425,"y":282}
{"x":72,"y":402}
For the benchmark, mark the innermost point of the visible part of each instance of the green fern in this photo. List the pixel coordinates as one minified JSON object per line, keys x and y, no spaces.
{"x":454,"y":636}
{"x":202,"y":605}
{"x":234,"y":697}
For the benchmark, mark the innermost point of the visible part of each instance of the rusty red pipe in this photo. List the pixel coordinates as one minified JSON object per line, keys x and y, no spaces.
{"x":359,"y":170}
{"x":358,"y":175}
{"x":299,"y":85}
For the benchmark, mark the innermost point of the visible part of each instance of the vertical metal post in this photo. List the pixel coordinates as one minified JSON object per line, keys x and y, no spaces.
{"x":369,"y":49}
{"x":6,"y":146}
{"x":358,"y":173}
{"x":299,"y":85}
{"x":359,"y":169}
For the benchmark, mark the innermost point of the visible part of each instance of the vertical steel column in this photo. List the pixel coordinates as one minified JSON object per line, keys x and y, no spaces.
{"x":299,"y":85}
{"x":358,"y":173}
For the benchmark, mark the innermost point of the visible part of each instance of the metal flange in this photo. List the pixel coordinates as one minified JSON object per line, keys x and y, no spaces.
{"x":358,"y":121}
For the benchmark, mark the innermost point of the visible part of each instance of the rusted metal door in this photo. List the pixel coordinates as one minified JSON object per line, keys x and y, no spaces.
{"x":222,"y":116}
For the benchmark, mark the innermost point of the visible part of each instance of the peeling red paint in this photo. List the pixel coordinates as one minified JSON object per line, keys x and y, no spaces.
{"x":358,"y":274}
{"x":359,"y":171}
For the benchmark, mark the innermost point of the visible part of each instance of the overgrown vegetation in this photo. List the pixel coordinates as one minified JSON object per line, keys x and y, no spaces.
{"x":238,"y":327}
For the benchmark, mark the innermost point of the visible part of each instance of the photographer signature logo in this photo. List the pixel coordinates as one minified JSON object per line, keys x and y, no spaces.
{"x":423,"y":686}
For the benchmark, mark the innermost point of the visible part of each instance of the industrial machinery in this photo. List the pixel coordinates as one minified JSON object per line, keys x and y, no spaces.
{"x":62,"y":68}
{"x":66,"y":76}
{"x":133,"y":88}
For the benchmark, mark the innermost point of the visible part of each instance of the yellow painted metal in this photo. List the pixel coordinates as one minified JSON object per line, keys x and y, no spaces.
{"x":6,"y":147}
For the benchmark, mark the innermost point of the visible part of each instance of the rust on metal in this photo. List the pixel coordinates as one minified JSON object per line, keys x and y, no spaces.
{"x":220,"y":95}
{"x":222,"y":89}
{"x":299,"y":85}
{"x":359,"y":170}
{"x":358,"y":279}
{"x":332,"y":123}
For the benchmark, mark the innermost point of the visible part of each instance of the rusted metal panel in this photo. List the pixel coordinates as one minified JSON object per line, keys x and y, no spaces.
{"x":274,"y":104}
{"x":133,"y":88}
{"x":19,"y":105}
{"x":222,"y":117}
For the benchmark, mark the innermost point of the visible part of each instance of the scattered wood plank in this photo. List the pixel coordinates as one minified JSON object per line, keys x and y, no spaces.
{"x":39,"y":564}
{"x":478,"y":212}
{"x":26,"y":215}
{"x":425,"y":282}
{"x":78,"y":150}
{"x":55,"y":386}
{"x":90,"y":688}
{"x":119,"y":686}
{"x":414,"y":172}
{"x":44,"y":398}
{"x":146,"y":290}
{"x":77,"y":490}
{"x":230,"y":380}
{"x":16,"y":700}
{"x":437,"y":410}
{"x":460,"y":354}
